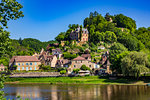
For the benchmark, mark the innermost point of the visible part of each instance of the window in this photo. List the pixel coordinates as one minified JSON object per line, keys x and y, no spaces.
{"x":26,"y":63}
{"x":89,"y":65}
{"x":22,"y":63}
{"x":22,"y":68}
{"x":81,"y":61}
{"x":30,"y":63}
{"x":76,"y":61}
{"x":35,"y":63}
{"x":30,"y":68}
{"x":74,"y":66}
{"x":18,"y":68}
{"x":34,"y":68}
{"x":18,"y":64}
{"x":27,"y":69}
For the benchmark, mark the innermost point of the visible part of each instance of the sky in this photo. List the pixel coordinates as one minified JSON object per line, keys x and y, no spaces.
{"x":45,"y":19}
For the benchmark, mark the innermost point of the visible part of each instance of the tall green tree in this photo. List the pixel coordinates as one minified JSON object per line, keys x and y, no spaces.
{"x":135,"y":64}
{"x":125,"y":22}
{"x":9,"y":10}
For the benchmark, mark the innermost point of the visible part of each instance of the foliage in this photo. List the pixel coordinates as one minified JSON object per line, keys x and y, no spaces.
{"x":143,"y":34}
{"x":84,"y":67}
{"x":131,"y":42}
{"x":43,"y":67}
{"x":2,"y":79}
{"x":5,"y":44}
{"x":110,"y":37}
{"x":76,"y":70}
{"x":115,"y":50}
{"x":125,"y":22}
{"x":69,"y":55}
{"x":135,"y":64}
{"x":63,"y":72}
{"x":10,"y":10}
{"x":60,"y":37}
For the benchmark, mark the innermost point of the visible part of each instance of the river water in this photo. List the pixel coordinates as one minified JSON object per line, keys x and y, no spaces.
{"x":77,"y":92}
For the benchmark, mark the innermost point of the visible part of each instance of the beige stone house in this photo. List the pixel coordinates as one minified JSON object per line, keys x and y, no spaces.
{"x":75,"y":35}
{"x":63,"y":63}
{"x":76,"y":63}
{"x":25,"y":63}
{"x":49,"y":60}
{"x":2,"y":67}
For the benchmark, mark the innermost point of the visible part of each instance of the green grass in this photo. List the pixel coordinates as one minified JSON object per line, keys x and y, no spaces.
{"x":73,"y":80}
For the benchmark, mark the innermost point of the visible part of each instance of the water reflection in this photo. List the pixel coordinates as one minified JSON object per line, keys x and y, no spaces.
{"x":77,"y":92}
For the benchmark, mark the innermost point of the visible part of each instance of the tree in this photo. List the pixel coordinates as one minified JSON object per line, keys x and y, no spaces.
{"x":2,"y":79}
{"x":135,"y":64}
{"x":131,"y":42}
{"x":10,"y":10}
{"x":110,"y":37}
{"x":84,"y":67}
{"x":60,"y":37}
{"x":115,"y":56}
{"x":125,"y":22}
{"x":76,"y":70}
{"x":45,"y":68}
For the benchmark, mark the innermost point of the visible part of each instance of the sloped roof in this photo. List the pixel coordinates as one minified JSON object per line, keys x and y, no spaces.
{"x":24,"y":59}
{"x":79,"y":58}
{"x":86,"y":55}
{"x":63,"y":61}
{"x":57,"y":49}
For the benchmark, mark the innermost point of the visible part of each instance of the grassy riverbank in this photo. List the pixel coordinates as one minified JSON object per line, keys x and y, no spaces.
{"x":74,"y":80}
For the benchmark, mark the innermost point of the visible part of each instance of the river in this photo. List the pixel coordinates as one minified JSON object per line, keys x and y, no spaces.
{"x":77,"y":92}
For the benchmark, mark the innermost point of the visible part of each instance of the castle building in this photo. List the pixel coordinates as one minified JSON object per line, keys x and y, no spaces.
{"x":75,"y":35}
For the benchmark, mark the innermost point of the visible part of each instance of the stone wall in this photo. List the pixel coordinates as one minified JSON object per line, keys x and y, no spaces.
{"x":36,"y":74}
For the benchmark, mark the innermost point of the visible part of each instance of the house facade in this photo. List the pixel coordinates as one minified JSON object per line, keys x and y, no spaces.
{"x":75,"y":35}
{"x":24,"y":63}
{"x":57,"y":52}
{"x":49,"y":60}
{"x":76,"y":63}
{"x":2,"y":67}
{"x":63,"y":63}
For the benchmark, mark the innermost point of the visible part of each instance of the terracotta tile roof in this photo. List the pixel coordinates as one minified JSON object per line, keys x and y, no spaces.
{"x":86,"y":55}
{"x":24,"y":59}
{"x":79,"y":58}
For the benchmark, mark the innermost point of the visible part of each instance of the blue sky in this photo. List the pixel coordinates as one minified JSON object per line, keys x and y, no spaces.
{"x":45,"y":19}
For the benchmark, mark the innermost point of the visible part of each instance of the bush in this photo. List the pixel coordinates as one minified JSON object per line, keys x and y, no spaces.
{"x":69,"y":56}
{"x":48,"y":67}
{"x":76,"y":70}
{"x":84,"y":67}
{"x":63,"y":72}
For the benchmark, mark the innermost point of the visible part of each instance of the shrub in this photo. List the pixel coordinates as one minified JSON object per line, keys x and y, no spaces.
{"x":84,"y":67}
{"x":63,"y":72}
{"x":76,"y":70}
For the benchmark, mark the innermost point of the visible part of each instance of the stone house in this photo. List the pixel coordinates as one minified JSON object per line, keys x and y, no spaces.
{"x":63,"y":63}
{"x":25,"y":63}
{"x":57,"y":52}
{"x":105,"y":68}
{"x":2,"y":67}
{"x":49,"y":60}
{"x":76,"y":63}
{"x":75,"y":35}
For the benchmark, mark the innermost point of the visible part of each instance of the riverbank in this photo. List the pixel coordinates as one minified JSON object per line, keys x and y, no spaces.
{"x":74,"y":80}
